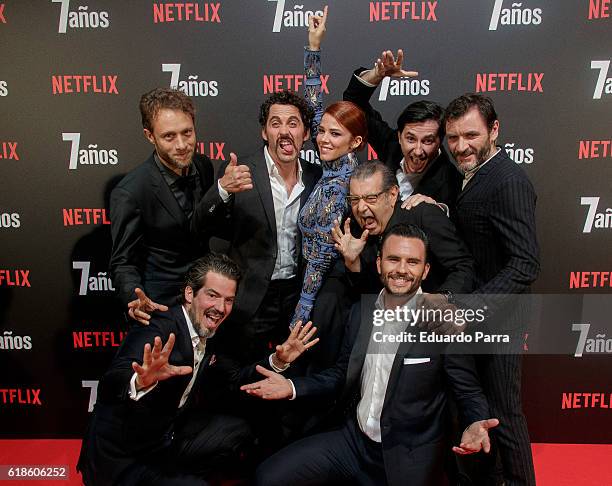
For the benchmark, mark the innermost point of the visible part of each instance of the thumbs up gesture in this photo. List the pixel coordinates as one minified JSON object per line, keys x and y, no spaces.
{"x":237,"y":178}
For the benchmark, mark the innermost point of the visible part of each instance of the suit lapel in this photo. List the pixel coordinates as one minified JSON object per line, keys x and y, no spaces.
{"x":360,"y":347}
{"x":164,"y":193}
{"x":480,"y":175}
{"x":262,"y":185}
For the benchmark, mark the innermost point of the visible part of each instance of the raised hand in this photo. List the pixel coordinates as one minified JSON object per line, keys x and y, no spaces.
{"x":140,"y":308}
{"x":273,"y":387}
{"x":349,"y":246}
{"x":155,"y":366}
{"x":316,"y":30}
{"x":237,"y":178}
{"x":388,"y":65}
{"x":299,"y":340}
{"x":476,"y":437}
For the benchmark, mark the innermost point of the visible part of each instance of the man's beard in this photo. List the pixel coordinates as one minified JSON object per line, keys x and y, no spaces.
{"x":413,"y":285}
{"x":203,"y":332}
{"x":481,"y":156}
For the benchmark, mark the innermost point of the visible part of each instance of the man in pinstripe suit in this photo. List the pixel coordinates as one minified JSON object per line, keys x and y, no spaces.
{"x":495,"y":214}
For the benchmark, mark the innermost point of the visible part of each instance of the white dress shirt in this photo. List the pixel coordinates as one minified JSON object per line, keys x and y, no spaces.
{"x":376,"y":371}
{"x":199,"y":347}
{"x":286,"y":211}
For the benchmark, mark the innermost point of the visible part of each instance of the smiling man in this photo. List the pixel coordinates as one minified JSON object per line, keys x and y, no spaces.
{"x":413,"y":150}
{"x":155,"y":420}
{"x":373,"y":196}
{"x":152,"y":205}
{"x":396,"y":429}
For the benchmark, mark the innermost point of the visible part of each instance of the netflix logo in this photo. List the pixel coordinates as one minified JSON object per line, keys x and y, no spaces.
{"x":186,"y":12}
{"x":594,"y":149}
{"x":590,"y":280}
{"x":20,"y":396}
{"x":528,"y":82}
{"x":585,"y":400}
{"x":213,"y":150}
{"x":84,"y":216}
{"x":406,"y":11}
{"x":8,"y":151}
{"x":97,"y":339}
{"x":14,"y":278}
{"x":273,"y":83}
{"x":84,"y":83}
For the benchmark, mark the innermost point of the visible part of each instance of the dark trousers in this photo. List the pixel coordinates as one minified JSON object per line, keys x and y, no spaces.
{"x":344,"y":456}
{"x":510,"y":461}
{"x":202,"y":445}
{"x":270,"y":324}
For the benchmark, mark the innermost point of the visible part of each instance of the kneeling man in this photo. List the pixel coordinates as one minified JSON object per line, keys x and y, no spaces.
{"x":150,"y":424}
{"x":397,"y":430}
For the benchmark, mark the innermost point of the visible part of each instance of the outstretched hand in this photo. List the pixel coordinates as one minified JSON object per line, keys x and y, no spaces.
{"x":316,"y":30}
{"x":388,"y":65}
{"x":349,"y":246}
{"x":140,"y":308}
{"x":155,"y":366}
{"x":476,"y":437}
{"x":299,"y":340}
{"x":273,"y":387}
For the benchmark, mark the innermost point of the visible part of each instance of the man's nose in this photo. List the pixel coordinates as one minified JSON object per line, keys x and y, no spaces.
{"x":181,"y":142}
{"x":418,"y":149}
{"x":461,"y":145}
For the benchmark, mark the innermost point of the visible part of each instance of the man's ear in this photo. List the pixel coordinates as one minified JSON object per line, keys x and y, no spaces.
{"x":378,"y":263}
{"x":425,"y":272}
{"x":149,"y":136}
{"x":494,"y":131}
{"x":393,"y":194}
{"x":188,"y":295}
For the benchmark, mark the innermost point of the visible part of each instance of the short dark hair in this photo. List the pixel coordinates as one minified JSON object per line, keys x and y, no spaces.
{"x":159,"y":98}
{"x":212,"y":262}
{"x":421,"y":111}
{"x":461,"y":105}
{"x":370,"y":168}
{"x":286,"y":97}
{"x":405,"y":231}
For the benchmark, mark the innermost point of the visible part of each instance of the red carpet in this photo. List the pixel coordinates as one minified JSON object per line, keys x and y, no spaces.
{"x":556,"y":464}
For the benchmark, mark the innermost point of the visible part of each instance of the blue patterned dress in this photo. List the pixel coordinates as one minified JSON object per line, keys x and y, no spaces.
{"x":326,"y":203}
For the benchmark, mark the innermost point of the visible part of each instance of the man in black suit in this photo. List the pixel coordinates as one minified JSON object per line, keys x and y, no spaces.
{"x":155,"y":419}
{"x":373,"y":195}
{"x":397,"y":431}
{"x":495,"y":214}
{"x":255,"y":206}
{"x":414,"y":150}
{"x":152,"y":206}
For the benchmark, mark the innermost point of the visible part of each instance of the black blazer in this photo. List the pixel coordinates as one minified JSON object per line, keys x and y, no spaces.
{"x":452,"y":267}
{"x":442,"y":181}
{"x":121,"y":431}
{"x":152,"y":243}
{"x":248,"y":222}
{"x":495,"y":215}
{"x":414,"y":422}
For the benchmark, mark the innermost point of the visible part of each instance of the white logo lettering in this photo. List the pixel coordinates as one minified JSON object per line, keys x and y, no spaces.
{"x":90,"y":156}
{"x":519,"y":155}
{"x":99,"y":283}
{"x":191,"y":87}
{"x":81,"y":19}
{"x":604,"y":84}
{"x":403,"y":87}
{"x":291,"y":18}
{"x":514,"y":16}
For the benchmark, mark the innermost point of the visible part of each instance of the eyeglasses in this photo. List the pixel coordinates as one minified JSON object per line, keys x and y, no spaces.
{"x":368,"y":198}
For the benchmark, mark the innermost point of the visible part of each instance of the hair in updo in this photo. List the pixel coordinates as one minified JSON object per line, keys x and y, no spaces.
{"x":350,"y":116}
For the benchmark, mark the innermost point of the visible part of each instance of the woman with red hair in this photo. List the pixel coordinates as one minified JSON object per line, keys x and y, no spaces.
{"x":337,"y":132}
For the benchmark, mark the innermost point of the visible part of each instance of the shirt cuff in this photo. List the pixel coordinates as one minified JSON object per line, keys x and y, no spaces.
{"x":444,"y":208}
{"x":364,"y":82}
{"x":293,"y":390}
{"x":137,"y":395}
{"x":276,"y":368}
{"x":225,"y":196}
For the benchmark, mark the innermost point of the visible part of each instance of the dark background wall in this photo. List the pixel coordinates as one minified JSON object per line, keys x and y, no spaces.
{"x":55,"y":343}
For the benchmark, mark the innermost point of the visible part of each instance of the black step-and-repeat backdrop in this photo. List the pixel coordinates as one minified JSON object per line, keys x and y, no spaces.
{"x":72,"y":72}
